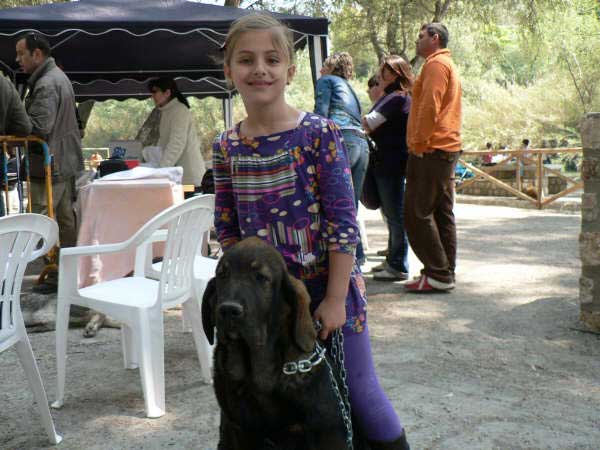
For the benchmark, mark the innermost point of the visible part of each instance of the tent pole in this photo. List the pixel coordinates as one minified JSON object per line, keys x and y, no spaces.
{"x":228,"y":112}
{"x":318,"y":51}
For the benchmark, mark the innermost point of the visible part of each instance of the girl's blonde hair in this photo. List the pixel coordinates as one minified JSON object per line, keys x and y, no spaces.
{"x":283,"y":37}
{"x":340,"y":64}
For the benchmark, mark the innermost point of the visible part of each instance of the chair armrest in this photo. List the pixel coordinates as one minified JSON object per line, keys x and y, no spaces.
{"x":94,"y":249}
{"x":159,"y":235}
{"x":144,"y":254}
{"x":41,"y":251}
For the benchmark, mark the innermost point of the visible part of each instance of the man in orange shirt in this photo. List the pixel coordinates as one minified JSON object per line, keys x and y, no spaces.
{"x":434,"y":144}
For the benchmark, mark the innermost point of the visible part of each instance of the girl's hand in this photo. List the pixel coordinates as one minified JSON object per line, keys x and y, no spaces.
{"x":332,"y":315}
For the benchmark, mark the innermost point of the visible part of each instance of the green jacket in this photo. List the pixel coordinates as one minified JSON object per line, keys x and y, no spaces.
{"x":13,"y":118}
{"x":51,"y":107}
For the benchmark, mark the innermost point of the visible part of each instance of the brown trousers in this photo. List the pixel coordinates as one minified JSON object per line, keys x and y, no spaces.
{"x":428,"y":212}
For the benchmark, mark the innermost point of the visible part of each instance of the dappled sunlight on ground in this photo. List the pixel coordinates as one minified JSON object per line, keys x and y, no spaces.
{"x":500,"y":357}
{"x":497,"y":363}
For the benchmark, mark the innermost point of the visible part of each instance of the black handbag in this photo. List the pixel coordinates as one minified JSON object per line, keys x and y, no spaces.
{"x":207,"y":185}
{"x":369,"y":196}
{"x":111,"y":165}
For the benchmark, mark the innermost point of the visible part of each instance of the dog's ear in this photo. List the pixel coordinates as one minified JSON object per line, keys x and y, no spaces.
{"x":303,"y":332}
{"x":208,"y":304}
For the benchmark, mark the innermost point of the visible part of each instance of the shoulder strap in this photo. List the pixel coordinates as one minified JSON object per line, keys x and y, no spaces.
{"x":356,"y":100}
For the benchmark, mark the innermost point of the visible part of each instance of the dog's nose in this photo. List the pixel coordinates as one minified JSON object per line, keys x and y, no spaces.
{"x":229,"y":310}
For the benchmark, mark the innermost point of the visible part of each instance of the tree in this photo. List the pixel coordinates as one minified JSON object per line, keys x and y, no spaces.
{"x":16,"y":3}
{"x":390,"y":26}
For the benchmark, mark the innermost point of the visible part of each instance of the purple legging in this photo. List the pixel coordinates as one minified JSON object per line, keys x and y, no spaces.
{"x":370,"y":406}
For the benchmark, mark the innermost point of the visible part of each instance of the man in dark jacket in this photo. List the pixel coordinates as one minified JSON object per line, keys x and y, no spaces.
{"x":13,"y":120}
{"x":50,"y":103}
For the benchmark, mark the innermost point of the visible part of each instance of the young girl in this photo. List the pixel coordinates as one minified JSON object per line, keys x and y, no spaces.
{"x":283,"y":175}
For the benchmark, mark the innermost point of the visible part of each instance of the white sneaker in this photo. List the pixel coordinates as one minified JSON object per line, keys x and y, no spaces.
{"x":423,"y":283}
{"x":390,"y":275}
{"x":440,"y":284}
{"x":379,"y":267}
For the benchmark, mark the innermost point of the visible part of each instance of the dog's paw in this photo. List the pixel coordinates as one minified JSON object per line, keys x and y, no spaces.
{"x":94,"y":324}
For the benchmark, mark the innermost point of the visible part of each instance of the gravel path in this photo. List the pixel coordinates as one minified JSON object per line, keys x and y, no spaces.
{"x":498,"y":363}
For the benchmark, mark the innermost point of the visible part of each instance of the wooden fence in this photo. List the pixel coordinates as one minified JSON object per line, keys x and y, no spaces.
{"x":522,"y":158}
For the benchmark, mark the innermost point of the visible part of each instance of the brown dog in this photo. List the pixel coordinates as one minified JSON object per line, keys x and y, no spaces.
{"x":262,"y":318}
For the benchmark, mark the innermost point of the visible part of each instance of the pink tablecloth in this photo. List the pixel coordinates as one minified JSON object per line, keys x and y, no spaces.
{"x":111,"y":212}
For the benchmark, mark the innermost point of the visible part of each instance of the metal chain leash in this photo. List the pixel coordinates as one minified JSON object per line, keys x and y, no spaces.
{"x":337,"y":355}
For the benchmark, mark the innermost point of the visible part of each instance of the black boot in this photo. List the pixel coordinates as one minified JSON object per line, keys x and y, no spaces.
{"x":399,"y":444}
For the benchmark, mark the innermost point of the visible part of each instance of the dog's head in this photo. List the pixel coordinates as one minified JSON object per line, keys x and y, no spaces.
{"x":253,"y":299}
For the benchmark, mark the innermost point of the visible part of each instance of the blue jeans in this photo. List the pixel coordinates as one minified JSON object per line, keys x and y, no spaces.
{"x":358,"y":159}
{"x":391,"y":194}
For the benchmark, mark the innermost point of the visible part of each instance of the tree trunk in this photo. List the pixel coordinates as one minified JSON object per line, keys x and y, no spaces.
{"x":389,"y":23}
{"x":233,"y":3}
{"x":441,"y":9}
{"x":391,"y":33}
{"x":372,"y":30}
{"x":439,"y":13}
{"x":589,"y":239}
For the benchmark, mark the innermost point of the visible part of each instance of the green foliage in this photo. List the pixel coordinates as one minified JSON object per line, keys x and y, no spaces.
{"x":507,"y":115}
{"x":344,"y":38}
{"x":301,"y":91}
{"x":528,"y":67}
{"x":530,"y":73}
{"x":114,"y":120}
{"x":16,"y":3}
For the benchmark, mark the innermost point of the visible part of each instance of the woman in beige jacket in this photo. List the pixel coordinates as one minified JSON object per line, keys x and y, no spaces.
{"x":178,"y":136}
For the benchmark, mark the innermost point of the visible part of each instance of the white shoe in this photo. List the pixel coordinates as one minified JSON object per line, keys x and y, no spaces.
{"x":379,"y":267}
{"x":440,"y":284}
{"x":427,"y":284}
{"x":390,"y":275}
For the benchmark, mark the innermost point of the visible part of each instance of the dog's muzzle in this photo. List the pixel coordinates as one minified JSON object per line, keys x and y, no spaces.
{"x":229,"y":318}
{"x":230,"y":311}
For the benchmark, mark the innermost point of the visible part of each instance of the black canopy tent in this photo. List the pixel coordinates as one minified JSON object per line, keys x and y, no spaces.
{"x":110,"y":48}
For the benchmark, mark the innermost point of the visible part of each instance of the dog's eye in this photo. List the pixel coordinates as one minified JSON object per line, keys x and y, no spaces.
{"x":261,"y":277}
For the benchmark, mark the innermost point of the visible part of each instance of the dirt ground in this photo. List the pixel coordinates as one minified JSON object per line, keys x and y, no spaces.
{"x":499,"y":363}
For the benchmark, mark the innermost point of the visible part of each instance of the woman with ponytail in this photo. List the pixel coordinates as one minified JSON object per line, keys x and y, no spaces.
{"x":386,"y":124}
{"x":178,"y":136}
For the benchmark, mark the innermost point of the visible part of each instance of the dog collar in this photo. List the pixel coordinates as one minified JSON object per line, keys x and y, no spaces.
{"x":305,"y":365}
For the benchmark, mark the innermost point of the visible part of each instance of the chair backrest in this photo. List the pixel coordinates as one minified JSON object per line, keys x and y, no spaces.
{"x":23,"y":238}
{"x":186,"y":223}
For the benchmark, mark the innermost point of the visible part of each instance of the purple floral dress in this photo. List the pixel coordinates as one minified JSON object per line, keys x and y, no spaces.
{"x":294,"y":190}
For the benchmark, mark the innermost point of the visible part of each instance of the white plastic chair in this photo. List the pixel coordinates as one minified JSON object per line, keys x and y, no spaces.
{"x":20,"y":237}
{"x":203,"y":270}
{"x":137,"y":302}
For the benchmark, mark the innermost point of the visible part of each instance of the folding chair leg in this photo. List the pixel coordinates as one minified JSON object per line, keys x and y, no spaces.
{"x":130,"y":359}
{"x":27,"y":359}
{"x":62,"y":329}
{"x":186,"y":326}
{"x":193,"y":316}
{"x":151,"y":346}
